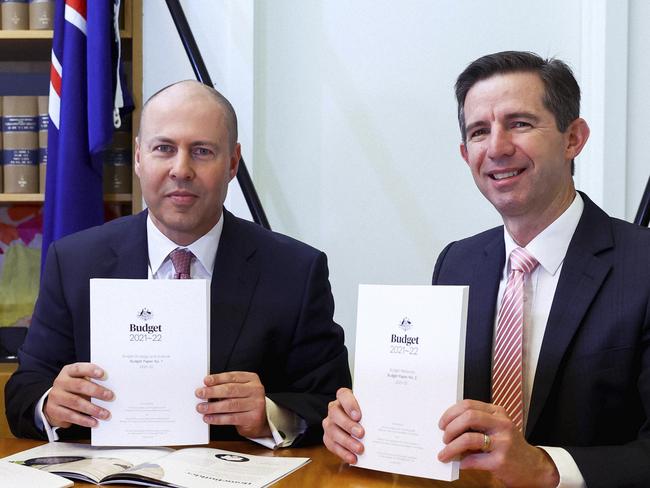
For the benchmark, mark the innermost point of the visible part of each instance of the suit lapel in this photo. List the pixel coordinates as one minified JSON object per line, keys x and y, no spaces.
{"x":234,"y":279}
{"x":483,"y":291}
{"x":127,"y":255}
{"x":582,"y":275}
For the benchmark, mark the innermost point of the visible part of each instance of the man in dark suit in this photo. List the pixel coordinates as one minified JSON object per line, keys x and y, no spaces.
{"x":583,"y":359}
{"x":276,"y":356}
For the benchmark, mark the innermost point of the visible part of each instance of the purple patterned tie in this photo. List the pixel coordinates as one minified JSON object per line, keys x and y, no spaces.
{"x":181,"y":259}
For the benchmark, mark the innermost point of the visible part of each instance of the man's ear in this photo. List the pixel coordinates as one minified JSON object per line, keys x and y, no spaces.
{"x":463,"y":152}
{"x":136,"y":156}
{"x":234,"y":161}
{"x":576,"y":138}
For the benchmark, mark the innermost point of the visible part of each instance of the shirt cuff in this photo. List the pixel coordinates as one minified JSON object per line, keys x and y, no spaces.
{"x":570,"y":475}
{"x":285,"y":426}
{"x":41,"y":422}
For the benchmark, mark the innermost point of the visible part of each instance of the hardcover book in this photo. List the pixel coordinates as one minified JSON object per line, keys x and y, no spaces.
{"x":117,"y":160}
{"x":43,"y":121}
{"x":15,"y":14}
{"x":41,"y":14}
{"x":20,"y":144}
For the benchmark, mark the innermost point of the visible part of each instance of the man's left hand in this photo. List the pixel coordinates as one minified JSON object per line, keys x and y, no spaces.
{"x":235,"y":398}
{"x":506,"y":454}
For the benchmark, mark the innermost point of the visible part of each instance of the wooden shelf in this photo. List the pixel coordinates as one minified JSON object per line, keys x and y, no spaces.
{"x":43,"y":34}
{"x":25,"y":34}
{"x":39,"y":198}
{"x":21,"y":198}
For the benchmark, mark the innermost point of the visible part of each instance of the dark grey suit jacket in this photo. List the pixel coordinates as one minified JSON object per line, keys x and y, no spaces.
{"x":591,"y":393}
{"x":271,"y":313}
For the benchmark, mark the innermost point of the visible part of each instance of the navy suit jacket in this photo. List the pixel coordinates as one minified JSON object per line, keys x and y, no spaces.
{"x":271,"y":313}
{"x":591,"y":392}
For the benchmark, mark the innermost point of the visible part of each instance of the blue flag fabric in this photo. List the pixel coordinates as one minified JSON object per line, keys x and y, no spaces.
{"x":81,"y":116}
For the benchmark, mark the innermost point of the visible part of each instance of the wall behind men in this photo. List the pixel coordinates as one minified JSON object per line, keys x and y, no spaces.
{"x":223,"y":32}
{"x":350,"y":120}
{"x":638,"y":96}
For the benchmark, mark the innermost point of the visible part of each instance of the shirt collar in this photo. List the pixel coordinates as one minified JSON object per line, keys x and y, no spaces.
{"x":550,"y":246}
{"x":204,"y":248}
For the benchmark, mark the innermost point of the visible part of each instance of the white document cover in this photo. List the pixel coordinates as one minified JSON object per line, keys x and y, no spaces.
{"x":409,"y":366}
{"x":152,"y":337}
{"x":16,"y":475}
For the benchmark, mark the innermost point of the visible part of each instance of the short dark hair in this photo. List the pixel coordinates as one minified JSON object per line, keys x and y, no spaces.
{"x":561,"y":90}
{"x":229,"y":111}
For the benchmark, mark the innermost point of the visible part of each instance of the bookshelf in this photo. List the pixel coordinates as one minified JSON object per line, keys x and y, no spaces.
{"x":25,"y":34}
{"x":29,"y":51}
{"x":35,"y":46}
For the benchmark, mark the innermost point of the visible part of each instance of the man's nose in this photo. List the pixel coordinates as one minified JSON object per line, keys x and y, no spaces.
{"x":500,"y":144}
{"x":182,"y":166}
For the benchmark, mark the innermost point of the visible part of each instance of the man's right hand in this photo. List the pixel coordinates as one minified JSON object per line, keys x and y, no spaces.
{"x":342,"y":428}
{"x":69,"y":399}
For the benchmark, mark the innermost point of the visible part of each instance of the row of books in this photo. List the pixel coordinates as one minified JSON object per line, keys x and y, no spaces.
{"x":24,"y":148}
{"x":24,"y":144}
{"x":27,"y":14}
{"x":117,"y":160}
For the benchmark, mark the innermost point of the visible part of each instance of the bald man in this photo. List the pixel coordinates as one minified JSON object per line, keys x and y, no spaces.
{"x":276,"y":355}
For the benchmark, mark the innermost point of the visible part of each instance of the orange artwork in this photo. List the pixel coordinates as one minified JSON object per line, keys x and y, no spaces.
{"x":8,"y":233}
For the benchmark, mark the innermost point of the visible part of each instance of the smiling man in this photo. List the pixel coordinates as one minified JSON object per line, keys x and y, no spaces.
{"x":276,"y":355}
{"x":557,"y":361}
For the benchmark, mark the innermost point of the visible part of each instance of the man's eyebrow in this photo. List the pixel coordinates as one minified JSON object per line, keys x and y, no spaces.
{"x":160,"y":140}
{"x":166,"y":140}
{"x":523,"y":115}
{"x":512,"y":116}
{"x":473,"y":125}
{"x":205,"y":143}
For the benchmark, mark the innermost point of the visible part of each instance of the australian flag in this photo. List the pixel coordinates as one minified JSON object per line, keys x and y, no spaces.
{"x":85,"y":97}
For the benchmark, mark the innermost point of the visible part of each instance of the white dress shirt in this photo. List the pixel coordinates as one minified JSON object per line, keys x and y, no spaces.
{"x":285,"y":425}
{"x":549,"y":247}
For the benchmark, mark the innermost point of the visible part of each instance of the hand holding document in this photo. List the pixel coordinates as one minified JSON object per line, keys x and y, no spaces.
{"x":152,"y":339}
{"x":409,"y":365}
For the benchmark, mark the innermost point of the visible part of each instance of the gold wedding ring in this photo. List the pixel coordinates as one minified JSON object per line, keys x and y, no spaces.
{"x":487,"y":443}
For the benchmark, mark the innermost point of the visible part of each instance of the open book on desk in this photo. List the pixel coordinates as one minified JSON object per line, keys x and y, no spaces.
{"x":184,"y":468}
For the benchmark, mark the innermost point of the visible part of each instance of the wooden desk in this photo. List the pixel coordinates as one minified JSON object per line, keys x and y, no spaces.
{"x":325,"y":470}
{"x":6,"y":370}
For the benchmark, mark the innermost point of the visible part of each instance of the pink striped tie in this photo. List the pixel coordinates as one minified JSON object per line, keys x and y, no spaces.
{"x":181,"y":259}
{"x":507,"y":368}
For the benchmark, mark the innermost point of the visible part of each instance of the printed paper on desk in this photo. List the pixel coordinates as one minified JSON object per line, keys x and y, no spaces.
{"x":17,"y":475}
{"x":409,"y":363}
{"x":152,"y":337}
